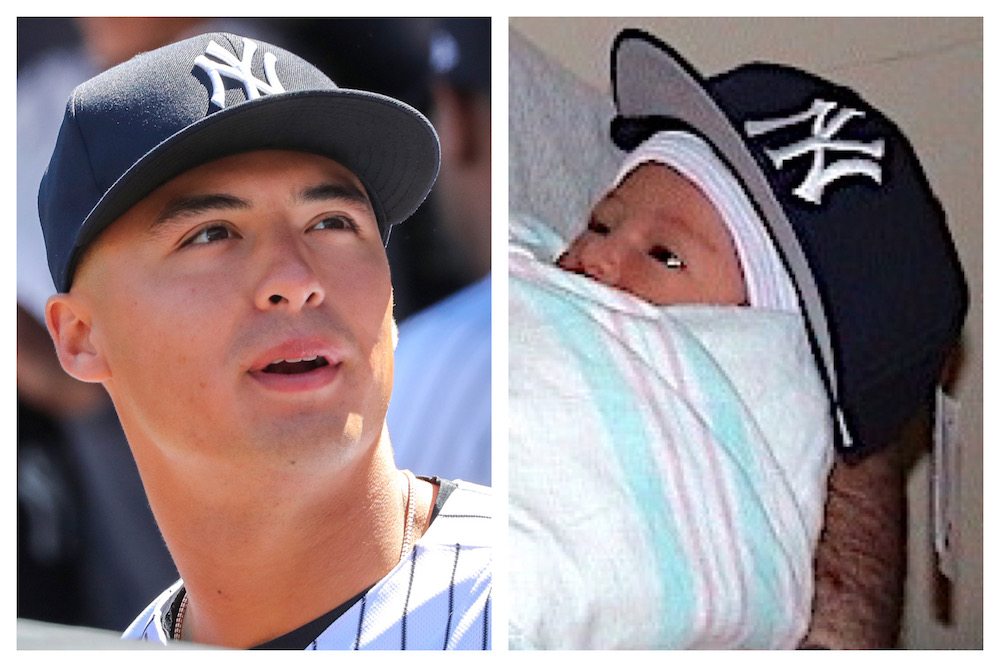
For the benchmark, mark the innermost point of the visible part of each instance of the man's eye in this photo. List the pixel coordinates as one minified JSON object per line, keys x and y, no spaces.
{"x":336,"y":222}
{"x":210,"y":235}
{"x":664,"y":255}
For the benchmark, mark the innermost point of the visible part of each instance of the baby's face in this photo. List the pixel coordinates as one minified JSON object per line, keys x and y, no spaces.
{"x":658,"y":237}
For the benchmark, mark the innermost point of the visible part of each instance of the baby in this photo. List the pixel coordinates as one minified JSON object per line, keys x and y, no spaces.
{"x":749,"y":297}
{"x":677,"y":228}
{"x":693,"y":439}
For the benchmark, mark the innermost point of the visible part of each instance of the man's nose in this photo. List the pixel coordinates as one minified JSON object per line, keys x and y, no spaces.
{"x":289,"y":281}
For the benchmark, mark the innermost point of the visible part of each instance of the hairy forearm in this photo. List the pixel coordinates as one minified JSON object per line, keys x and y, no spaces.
{"x":861,"y":556}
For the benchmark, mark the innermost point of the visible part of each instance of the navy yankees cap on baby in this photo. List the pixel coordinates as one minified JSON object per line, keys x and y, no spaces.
{"x":139,"y":124}
{"x":848,"y":207}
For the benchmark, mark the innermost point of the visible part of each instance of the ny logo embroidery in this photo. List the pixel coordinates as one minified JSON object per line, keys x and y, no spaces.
{"x":238,"y":70}
{"x":824,"y":128}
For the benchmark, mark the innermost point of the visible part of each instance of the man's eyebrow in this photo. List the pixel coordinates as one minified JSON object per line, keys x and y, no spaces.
{"x":335,"y":192}
{"x":195,"y":204}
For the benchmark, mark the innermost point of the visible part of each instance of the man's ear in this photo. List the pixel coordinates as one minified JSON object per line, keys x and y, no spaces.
{"x":69,"y":323}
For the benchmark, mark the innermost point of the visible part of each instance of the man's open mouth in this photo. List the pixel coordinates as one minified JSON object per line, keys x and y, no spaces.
{"x":295,"y":366}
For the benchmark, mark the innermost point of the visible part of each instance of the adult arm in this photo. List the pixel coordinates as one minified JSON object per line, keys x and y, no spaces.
{"x":861,"y":556}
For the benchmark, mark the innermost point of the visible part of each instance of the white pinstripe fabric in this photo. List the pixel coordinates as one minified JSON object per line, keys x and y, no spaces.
{"x":438,"y":597}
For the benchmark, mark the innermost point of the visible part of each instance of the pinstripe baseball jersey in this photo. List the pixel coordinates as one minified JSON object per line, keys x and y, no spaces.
{"x":438,"y":597}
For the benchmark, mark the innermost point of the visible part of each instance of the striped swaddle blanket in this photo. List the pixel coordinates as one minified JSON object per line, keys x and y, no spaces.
{"x":667,"y":466}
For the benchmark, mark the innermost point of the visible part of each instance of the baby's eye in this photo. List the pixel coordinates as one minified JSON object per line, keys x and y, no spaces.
{"x":598,"y":227}
{"x":664,"y":255}
{"x":336,"y":222}
{"x":210,"y":234}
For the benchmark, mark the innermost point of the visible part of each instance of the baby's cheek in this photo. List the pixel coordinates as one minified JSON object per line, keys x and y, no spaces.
{"x":725,"y":285}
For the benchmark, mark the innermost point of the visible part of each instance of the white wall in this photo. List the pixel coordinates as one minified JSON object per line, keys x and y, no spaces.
{"x":927,"y":75}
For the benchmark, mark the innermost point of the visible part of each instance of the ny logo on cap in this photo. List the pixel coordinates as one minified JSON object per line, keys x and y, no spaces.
{"x":824,"y":127}
{"x":238,"y":70}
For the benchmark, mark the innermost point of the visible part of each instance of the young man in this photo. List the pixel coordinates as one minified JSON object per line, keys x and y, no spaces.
{"x":215,"y":214}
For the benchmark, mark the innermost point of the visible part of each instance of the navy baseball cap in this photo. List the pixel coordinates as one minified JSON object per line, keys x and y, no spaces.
{"x":132,"y":128}
{"x":848,"y":207}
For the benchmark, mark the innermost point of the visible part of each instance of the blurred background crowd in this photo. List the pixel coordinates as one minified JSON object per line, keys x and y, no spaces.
{"x":88,"y":550}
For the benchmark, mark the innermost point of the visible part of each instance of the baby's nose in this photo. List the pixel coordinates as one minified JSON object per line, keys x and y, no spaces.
{"x":601,"y":260}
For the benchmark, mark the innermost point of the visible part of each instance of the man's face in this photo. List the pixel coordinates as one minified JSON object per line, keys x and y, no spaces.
{"x":658,"y":237}
{"x":244,"y":309}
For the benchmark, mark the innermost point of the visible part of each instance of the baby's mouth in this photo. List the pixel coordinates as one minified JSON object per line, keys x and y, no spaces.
{"x":295,"y":366}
